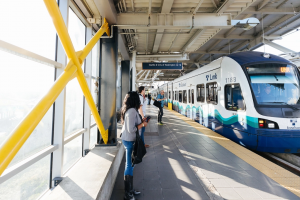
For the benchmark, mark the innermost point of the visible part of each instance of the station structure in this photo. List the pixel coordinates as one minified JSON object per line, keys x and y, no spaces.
{"x":67,"y":66}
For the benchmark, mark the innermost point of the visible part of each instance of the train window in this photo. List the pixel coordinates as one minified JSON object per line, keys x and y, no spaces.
{"x":200,"y":93}
{"x":234,"y":98}
{"x":184,"y":96}
{"x":189,"y":96}
{"x":169,"y":94}
{"x":180,"y":96}
{"x":211,"y":93}
{"x":192,"y":96}
{"x":173,"y":97}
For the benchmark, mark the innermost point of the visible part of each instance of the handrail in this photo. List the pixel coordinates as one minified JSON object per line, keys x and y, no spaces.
{"x":20,"y":134}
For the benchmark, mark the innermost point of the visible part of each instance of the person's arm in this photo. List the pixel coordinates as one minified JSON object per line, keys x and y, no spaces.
{"x":141,"y":111}
{"x":159,"y":96}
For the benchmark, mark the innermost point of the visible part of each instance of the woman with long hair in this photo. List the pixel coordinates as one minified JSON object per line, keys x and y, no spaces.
{"x":131,"y":121}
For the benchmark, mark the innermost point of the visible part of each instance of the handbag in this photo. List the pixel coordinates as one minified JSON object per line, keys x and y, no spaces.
{"x":139,"y":149}
{"x":157,"y":103}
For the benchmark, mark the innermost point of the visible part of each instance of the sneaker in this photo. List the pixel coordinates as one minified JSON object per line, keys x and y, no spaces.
{"x":160,"y":123}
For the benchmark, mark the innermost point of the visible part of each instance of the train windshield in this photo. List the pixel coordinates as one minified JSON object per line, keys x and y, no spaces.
{"x":274,"y":84}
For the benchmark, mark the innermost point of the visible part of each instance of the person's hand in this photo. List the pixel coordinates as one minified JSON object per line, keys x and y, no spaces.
{"x":144,"y":119}
{"x":145,"y":123}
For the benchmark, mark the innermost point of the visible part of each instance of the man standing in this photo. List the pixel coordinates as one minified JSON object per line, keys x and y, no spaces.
{"x":142,"y":110}
{"x":149,"y":98}
{"x":160,"y":98}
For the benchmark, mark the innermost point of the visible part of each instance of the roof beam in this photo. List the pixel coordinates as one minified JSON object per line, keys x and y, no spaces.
{"x":225,"y":6}
{"x":174,"y":21}
{"x":262,"y":4}
{"x":210,"y":52}
{"x":192,"y":40}
{"x":235,"y":37}
{"x":214,"y":45}
{"x":272,"y":10}
{"x":229,"y":32}
{"x":165,"y":8}
{"x":279,"y":6}
{"x":132,"y":5}
{"x":197,"y":7}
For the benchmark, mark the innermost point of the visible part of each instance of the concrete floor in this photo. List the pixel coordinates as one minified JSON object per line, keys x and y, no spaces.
{"x":166,"y":174}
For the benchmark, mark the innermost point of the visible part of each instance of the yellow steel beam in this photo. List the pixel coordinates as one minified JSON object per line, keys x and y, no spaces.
{"x":19,"y":135}
{"x":78,"y":57}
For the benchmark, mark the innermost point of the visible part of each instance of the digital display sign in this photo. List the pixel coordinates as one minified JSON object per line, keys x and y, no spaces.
{"x":270,"y":68}
{"x":162,"y":66}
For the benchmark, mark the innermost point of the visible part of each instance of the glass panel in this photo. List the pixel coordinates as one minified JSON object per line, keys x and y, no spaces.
{"x":234,"y":97}
{"x":200,"y":93}
{"x":180,"y":96}
{"x":72,"y":152}
{"x":76,"y":30}
{"x":74,"y":107}
{"x":192,"y":96}
{"x":211,"y":91}
{"x":93,"y":136}
{"x":35,"y":31}
{"x":95,"y":60}
{"x":94,"y":91}
{"x":274,"y":84}
{"x":23,"y":83}
{"x":30,"y":183}
{"x":189,"y":96}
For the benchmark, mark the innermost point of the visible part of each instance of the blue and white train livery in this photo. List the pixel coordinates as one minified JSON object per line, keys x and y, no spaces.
{"x":247,"y":97}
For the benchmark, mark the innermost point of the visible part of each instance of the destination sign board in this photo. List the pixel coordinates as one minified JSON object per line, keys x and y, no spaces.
{"x":162,"y":66}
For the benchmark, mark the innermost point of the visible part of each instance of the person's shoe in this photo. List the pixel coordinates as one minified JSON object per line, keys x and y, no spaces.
{"x":160,"y":123}
{"x":147,"y":146}
{"x":128,"y":188}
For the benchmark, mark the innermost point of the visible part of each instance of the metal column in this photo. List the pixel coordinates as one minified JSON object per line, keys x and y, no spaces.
{"x":133,"y":69}
{"x":119,"y":84}
{"x":108,"y":84}
{"x":125,"y":78}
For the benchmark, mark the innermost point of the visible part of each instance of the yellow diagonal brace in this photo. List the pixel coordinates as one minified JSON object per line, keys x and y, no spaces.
{"x":78,"y":57}
{"x":19,"y":135}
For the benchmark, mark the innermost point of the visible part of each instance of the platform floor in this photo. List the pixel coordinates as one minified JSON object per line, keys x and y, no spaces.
{"x":189,"y":161}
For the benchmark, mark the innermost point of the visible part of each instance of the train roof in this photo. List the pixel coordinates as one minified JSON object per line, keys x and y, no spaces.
{"x":247,"y":57}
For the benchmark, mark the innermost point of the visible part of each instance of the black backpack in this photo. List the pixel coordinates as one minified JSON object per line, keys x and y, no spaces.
{"x":139,"y":149}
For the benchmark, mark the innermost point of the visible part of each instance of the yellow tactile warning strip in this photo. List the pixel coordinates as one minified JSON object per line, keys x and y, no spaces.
{"x":282,"y":176}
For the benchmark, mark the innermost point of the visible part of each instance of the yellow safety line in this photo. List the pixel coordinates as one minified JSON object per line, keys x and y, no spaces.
{"x":20,"y":134}
{"x":282,"y":176}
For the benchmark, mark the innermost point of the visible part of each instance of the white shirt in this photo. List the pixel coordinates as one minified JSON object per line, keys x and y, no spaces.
{"x":143,"y":103}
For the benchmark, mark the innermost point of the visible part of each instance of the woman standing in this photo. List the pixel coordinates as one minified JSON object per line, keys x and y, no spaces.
{"x":131,"y":121}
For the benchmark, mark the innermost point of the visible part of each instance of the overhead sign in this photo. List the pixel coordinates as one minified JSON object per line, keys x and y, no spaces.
{"x":162,"y":66}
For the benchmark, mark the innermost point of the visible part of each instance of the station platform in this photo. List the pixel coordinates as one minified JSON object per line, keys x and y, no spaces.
{"x":188,"y":161}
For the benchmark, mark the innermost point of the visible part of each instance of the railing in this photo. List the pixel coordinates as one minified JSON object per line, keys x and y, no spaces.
{"x":20,"y":134}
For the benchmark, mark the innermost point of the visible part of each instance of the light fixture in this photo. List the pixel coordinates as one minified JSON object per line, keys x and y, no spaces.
{"x":266,"y":55}
{"x":271,"y":125}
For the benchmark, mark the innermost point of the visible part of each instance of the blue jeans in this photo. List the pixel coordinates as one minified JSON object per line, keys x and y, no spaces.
{"x":142,"y":133}
{"x":128,"y":151}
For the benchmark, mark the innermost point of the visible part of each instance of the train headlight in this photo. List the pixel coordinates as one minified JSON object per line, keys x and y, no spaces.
{"x":263,"y":123}
{"x":271,"y":125}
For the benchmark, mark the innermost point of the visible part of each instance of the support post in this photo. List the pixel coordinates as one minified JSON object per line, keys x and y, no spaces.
{"x":87,"y":110}
{"x":133,"y":68}
{"x":125,"y":65}
{"x":119,"y":84}
{"x":108,"y":85}
{"x":59,"y":105}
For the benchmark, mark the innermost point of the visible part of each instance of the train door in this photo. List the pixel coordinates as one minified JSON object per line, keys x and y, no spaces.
{"x":235,"y":105}
{"x":200,"y":93}
{"x":193,"y":108}
{"x":212,"y":102}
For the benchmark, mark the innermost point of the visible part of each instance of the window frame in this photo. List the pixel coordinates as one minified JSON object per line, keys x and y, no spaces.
{"x":200,"y":92}
{"x":207,"y":92}
{"x":193,"y":96}
{"x":180,"y":93}
{"x":230,"y":85}
{"x":189,"y":95}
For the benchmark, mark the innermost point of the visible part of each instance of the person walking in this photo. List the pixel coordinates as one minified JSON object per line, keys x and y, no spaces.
{"x":160,"y":98}
{"x":132,"y":122}
{"x":142,"y":110}
{"x":149,"y":98}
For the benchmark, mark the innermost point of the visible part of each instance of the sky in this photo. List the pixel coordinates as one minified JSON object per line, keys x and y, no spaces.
{"x":290,"y":40}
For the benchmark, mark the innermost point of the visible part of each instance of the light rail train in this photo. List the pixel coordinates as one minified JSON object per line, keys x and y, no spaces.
{"x":247,"y":97}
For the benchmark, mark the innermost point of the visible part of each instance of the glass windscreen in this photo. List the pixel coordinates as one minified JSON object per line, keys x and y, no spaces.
{"x":274,"y":83}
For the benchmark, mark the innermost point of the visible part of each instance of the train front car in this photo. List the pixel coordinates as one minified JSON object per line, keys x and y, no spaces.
{"x":263,"y":99}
